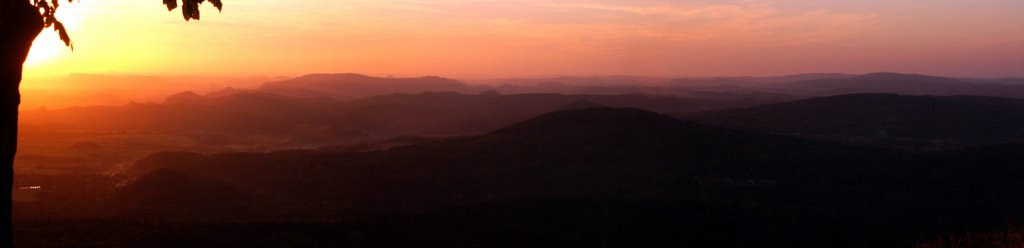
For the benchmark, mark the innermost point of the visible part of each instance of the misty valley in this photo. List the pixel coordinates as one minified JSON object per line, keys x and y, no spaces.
{"x":810,"y":160}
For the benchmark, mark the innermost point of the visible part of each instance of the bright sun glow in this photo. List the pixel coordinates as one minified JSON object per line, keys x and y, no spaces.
{"x":48,"y":47}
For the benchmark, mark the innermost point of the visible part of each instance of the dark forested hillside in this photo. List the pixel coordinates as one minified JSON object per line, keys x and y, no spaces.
{"x":617,"y":158}
{"x":913,"y":122}
{"x":602,"y":175}
{"x":604,"y":152}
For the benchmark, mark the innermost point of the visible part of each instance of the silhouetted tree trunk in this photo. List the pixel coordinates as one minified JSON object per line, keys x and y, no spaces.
{"x":20,"y":23}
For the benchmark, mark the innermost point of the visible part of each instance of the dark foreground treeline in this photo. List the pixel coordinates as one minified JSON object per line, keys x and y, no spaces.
{"x":596,"y":177}
{"x":542,"y":222}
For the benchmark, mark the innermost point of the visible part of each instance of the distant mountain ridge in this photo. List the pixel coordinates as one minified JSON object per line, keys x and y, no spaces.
{"x":906,"y":84}
{"x":346,"y":86}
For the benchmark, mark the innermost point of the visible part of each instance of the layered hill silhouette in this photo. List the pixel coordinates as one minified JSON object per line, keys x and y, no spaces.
{"x":313,"y":103}
{"x":886,"y":119}
{"x":609,"y":159}
{"x":473,"y":167}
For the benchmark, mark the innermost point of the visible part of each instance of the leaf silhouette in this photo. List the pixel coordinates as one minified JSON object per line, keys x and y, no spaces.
{"x":171,"y":4}
{"x":190,"y":9}
{"x":217,"y":4}
{"x":63,"y":33}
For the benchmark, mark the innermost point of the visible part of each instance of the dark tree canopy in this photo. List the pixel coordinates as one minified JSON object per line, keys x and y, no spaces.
{"x":48,"y":10}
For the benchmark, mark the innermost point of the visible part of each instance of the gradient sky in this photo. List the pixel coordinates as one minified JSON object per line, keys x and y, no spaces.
{"x":490,"y":38}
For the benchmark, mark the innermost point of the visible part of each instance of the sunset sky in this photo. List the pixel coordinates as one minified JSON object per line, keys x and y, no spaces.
{"x":491,"y":38}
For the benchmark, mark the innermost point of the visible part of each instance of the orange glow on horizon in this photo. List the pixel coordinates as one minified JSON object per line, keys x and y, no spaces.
{"x":486,"y":38}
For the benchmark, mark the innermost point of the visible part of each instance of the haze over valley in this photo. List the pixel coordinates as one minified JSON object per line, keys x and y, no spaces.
{"x":334,"y":146}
